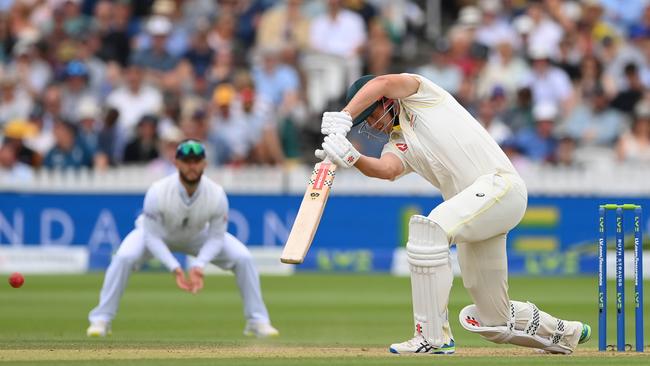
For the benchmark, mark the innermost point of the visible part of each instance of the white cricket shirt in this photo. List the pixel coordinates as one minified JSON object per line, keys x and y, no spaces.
{"x":170,"y":218}
{"x":439,"y":140}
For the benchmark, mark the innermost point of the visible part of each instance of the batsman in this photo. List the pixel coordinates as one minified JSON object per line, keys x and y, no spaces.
{"x":431,"y":134}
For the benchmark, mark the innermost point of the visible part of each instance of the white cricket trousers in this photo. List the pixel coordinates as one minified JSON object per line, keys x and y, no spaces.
{"x":132,"y":252}
{"x":477,"y":220}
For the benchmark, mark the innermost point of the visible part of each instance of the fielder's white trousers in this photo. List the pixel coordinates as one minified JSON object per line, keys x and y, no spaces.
{"x":132,"y":252}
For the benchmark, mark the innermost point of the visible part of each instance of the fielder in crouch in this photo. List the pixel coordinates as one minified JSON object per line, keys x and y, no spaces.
{"x":184,"y":212}
{"x":432,"y":135}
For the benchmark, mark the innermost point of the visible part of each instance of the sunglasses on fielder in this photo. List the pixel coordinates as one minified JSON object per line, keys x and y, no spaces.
{"x":190,"y":149}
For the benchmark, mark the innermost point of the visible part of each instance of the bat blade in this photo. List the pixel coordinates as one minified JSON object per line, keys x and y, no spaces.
{"x":309,"y":215}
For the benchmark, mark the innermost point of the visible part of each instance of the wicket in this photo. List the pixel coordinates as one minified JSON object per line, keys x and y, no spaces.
{"x":620,"y":277}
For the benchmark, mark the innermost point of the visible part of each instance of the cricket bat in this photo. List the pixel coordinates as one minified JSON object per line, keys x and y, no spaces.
{"x":309,"y":214}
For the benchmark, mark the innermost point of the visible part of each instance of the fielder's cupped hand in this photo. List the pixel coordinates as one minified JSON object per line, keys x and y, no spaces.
{"x":339,"y":151}
{"x":336,"y":122}
{"x":181,"y":281}
{"x":196,"y":279}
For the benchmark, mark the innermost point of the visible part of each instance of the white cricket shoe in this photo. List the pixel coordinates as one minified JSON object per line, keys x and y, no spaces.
{"x":260,"y":330}
{"x":99,"y":329}
{"x":418,"y":344}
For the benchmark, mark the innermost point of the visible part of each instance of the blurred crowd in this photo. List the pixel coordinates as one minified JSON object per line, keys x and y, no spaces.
{"x":101,"y":83}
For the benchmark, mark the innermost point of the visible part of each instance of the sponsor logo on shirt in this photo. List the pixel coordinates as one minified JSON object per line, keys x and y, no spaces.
{"x":402,"y":146}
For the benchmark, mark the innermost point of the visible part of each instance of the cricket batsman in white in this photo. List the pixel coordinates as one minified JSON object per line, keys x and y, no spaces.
{"x":188,"y":213}
{"x":431,"y":134}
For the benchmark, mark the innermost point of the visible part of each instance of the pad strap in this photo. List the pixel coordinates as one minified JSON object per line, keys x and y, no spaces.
{"x":533,"y":322}
{"x":559,"y":332}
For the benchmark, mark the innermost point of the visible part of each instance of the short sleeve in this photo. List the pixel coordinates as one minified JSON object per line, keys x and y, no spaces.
{"x":428,"y":94}
{"x":398,"y":147}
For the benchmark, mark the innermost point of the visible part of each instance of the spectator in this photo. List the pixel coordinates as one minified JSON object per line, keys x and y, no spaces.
{"x":197,"y":127}
{"x":13,"y":171}
{"x":248,"y":17}
{"x":68,"y":151}
{"x":15,"y":103}
{"x":143,"y":148}
{"x":342,"y":33}
{"x":539,"y":143}
{"x":545,"y":32}
{"x":565,"y":152}
{"x":487,"y":117}
{"x":111,"y":25}
{"x":634,"y":145}
{"x":51,"y":108}
{"x":222,"y":69}
{"x":133,"y":100}
{"x":75,"y":22}
{"x":16,"y":133}
{"x":75,"y":88}
{"x":163,"y":165}
{"x":460,"y":43}
{"x":43,"y":139}
{"x":515,"y":153}
{"x":221,"y":37}
{"x":592,"y":78}
{"x":520,"y":115}
{"x":379,"y":48}
{"x":177,"y":40}
{"x":641,"y":25}
{"x":594,"y":122}
{"x":284,"y":25}
{"x":87,"y":47}
{"x":107,"y":141}
{"x":30,"y":67}
{"x":440,"y":69}
{"x":627,"y":98}
{"x":199,"y":55}
{"x":231,"y":135}
{"x":493,"y":29}
{"x":156,"y":58}
{"x":548,"y":83}
{"x":504,"y":69}
{"x":257,"y":114}
{"x":88,"y":123}
{"x":277,"y":82}
{"x":615,"y":54}
{"x":7,"y":39}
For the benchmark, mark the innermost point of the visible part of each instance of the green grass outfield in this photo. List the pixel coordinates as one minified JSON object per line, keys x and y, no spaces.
{"x":323,"y":320}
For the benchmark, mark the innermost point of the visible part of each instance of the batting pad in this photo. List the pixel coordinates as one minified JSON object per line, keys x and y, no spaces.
{"x":527,"y":337}
{"x":431,"y":278}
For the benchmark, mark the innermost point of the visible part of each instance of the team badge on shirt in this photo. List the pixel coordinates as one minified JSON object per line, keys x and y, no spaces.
{"x":402,"y":146}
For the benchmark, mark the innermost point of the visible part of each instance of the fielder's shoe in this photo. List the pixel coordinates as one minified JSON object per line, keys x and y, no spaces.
{"x":586,"y":333}
{"x":260,"y":330}
{"x":99,"y":329}
{"x":418,"y":344}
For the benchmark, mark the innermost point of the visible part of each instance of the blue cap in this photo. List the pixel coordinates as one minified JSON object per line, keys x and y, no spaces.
{"x":76,"y":68}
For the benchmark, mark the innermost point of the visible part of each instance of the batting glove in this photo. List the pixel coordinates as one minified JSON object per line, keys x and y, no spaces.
{"x":336,"y":122}
{"x":340,"y":151}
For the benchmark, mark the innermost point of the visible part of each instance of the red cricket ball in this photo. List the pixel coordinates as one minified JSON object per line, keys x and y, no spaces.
{"x":16,"y":280}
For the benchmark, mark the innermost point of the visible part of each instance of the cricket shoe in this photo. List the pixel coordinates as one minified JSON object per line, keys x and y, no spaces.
{"x":260,"y":330}
{"x":585,"y":335}
{"x":418,"y":344}
{"x":99,"y":329}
